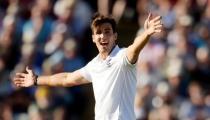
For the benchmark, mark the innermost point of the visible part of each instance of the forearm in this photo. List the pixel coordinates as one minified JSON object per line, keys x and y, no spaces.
{"x":151,"y":26}
{"x":53,"y":80}
{"x":139,"y":43}
{"x":61,"y":79}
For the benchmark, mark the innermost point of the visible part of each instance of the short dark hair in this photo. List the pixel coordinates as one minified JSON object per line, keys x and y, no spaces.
{"x":99,"y":19}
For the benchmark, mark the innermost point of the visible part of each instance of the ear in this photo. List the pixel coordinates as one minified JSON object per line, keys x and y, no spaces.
{"x":93,"y":38}
{"x":115,"y":36}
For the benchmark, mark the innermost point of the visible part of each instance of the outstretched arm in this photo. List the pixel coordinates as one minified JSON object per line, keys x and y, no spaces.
{"x":151,"y":26}
{"x":61,"y":79}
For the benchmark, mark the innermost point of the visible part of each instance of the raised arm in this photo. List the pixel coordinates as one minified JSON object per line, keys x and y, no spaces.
{"x":151,"y":26}
{"x":61,"y":79}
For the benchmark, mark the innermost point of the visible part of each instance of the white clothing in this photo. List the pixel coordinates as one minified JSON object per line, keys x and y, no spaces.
{"x":114,"y":85}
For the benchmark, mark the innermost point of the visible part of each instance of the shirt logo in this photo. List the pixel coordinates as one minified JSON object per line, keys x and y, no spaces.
{"x":108,"y":62}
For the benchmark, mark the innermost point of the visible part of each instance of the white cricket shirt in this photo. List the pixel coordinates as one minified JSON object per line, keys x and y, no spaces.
{"x":114,"y":85}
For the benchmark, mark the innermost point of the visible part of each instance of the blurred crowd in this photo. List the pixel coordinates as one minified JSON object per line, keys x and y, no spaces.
{"x":174,"y":68}
{"x":53,"y":36}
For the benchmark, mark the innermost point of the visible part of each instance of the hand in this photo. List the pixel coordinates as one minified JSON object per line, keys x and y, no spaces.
{"x":153,"y":25}
{"x":25,"y":79}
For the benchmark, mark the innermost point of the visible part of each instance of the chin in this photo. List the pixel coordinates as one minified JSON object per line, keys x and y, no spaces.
{"x":103,"y":50}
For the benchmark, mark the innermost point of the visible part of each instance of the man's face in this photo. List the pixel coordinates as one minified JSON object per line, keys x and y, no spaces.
{"x":104,"y":37}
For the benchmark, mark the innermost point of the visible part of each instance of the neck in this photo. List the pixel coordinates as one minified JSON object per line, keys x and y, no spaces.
{"x":104,"y":55}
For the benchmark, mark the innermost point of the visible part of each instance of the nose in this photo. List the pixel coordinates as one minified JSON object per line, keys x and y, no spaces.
{"x":101,"y":35}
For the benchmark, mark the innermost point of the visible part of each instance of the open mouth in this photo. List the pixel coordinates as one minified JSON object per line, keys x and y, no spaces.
{"x":104,"y":44}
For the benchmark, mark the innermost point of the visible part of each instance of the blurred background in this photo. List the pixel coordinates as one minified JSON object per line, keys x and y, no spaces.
{"x":54,"y":36}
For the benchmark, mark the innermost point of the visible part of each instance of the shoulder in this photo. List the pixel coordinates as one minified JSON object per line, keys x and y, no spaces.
{"x":92,"y":62}
{"x":117,"y":52}
{"x":123,"y":57}
{"x":120,"y":53}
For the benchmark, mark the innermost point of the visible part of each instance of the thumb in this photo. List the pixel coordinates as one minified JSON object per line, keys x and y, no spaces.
{"x":147,"y":20}
{"x":29,"y":70}
{"x":149,"y":16}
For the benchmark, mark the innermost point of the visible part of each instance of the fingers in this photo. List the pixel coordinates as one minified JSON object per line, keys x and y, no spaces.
{"x":158,"y":26}
{"x":149,"y":16}
{"x":158,"y":22}
{"x":153,"y":24}
{"x":19,"y":84}
{"x":147,"y":21}
{"x":158,"y":18}
{"x":19,"y":79}
{"x":19,"y":75}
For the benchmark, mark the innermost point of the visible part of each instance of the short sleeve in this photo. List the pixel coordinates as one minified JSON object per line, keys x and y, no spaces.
{"x":85,"y":73}
{"x":126,"y":62}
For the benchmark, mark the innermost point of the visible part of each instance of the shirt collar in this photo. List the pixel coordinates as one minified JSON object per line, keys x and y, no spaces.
{"x":113,"y":53}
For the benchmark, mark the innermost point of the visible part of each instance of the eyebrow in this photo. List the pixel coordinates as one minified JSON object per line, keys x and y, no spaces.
{"x":107,"y":29}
